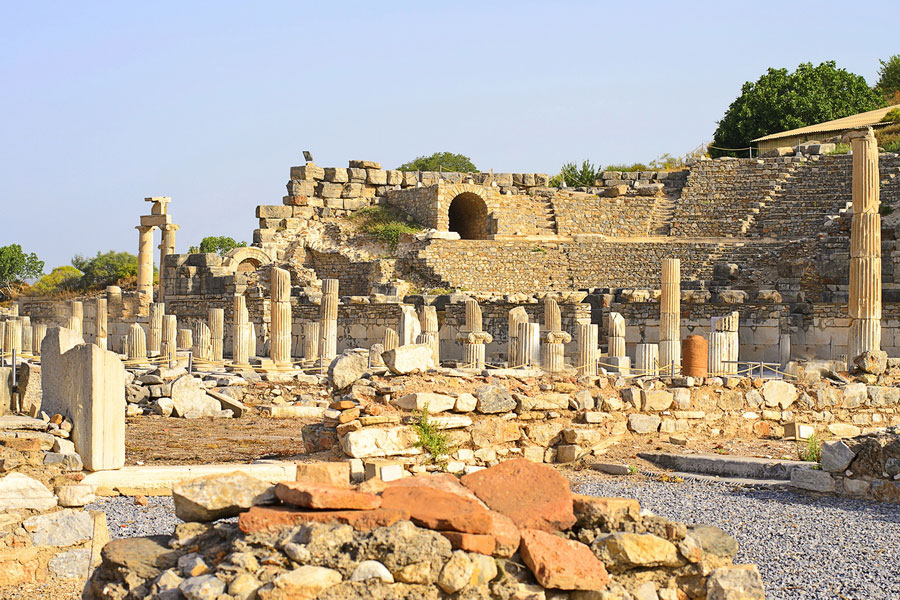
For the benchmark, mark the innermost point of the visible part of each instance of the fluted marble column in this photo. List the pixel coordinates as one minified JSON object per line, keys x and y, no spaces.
{"x":391,"y":339}
{"x":328,"y":320}
{"x":240,"y":332}
{"x":555,"y":339}
{"x":38,"y":333}
{"x":429,"y":323}
{"x":12,"y":338}
{"x":517,"y":316}
{"x":588,"y":337}
{"x":101,"y":322}
{"x":646,"y":359}
{"x":154,"y":337}
{"x":616,"y":337}
{"x":670,"y":317}
{"x":473,"y":337}
{"x":170,"y":339}
{"x":216,"y":320}
{"x":311,"y":341}
{"x":166,"y":247}
{"x":725,"y":352}
{"x":529,"y":352}
{"x":136,"y":343}
{"x":280,"y":306}
{"x":145,"y":262}
{"x":76,"y":317}
{"x":26,"y":335}
{"x":865,"y":247}
{"x":202,"y":347}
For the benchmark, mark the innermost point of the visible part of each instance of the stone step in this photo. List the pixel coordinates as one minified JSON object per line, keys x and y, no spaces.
{"x":727,"y":466}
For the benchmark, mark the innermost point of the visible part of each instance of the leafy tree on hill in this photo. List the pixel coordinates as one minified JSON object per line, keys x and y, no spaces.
{"x":105,"y":269}
{"x":17,"y":266}
{"x":782,"y":100}
{"x":574,"y":176}
{"x":441,"y":161}
{"x":60,"y":278}
{"x":889,"y":79}
{"x":220,"y":245}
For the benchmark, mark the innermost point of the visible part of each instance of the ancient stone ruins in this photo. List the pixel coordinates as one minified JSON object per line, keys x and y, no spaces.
{"x":443,"y":378}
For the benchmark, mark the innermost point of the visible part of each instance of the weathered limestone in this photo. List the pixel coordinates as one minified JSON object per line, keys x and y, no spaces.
{"x":185,"y":339}
{"x":26,"y":335}
{"x":328,"y":321}
{"x":410,"y":327}
{"x":145,"y":262}
{"x":154,"y":338}
{"x":646,"y":359}
{"x":391,"y":339}
{"x":38,"y":331}
{"x":170,"y":339}
{"x":12,"y":338}
{"x":588,"y":337}
{"x":136,"y":343}
{"x":100,"y":322}
{"x":76,"y":317}
{"x":280,"y":307}
{"x":517,"y":316}
{"x":616,"y":337}
{"x":240,"y":333}
{"x":555,"y":338}
{"x":473,"y":337}
{"x":201,"y":348}
{"x":429,"y":336}
{"x":724,"y":346}
{"x":216,"y":334}
{"x":670,"y":317}
{"x":529,"y":352}
{"x":865,"y":247}
{"x":166,"y":247}
{"x":718,"y":352}
{"x":311,"y":340}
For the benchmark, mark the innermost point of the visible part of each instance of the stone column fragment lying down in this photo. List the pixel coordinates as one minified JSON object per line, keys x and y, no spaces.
{"x":670,"y":317}
{"x":240,"y":332}
{"x":473,"y":337}
{"x":154,"y":336}
{"x":616,"y":337}
{"x":216,"y":334}
{"x":587,"y":349}
{"x":136,"y":343}
{"x":328,"y":321}
{"x":430,"y":336}
{"x":646,"y":359}
{"x":865,"y":247}
{"x":280,"y":307}
{"x":87,"y":385}
{"x":554,"y":350}
{"x":517,"y":316}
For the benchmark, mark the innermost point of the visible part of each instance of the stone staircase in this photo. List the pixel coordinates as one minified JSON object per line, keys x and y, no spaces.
{"x":663,"y":213}
{"x":771,"y":196}
{"x":547,"y":216}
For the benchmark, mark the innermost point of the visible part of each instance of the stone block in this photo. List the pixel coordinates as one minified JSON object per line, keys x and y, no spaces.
{"x":54,"y":391}
{"x":812,"y":480}
{"x":436,"y":403}
{"x":657,"y":399}
{"x":307,"y":172}
{"x":333,"y":473}
{"x":273,"y":211}
{"x":836,"y":456}
{"x":798,"y":431}
{"x":639,"y":423}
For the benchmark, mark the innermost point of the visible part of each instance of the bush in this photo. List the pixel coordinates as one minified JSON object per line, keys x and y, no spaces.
{"x":573,"y":176}
{"x":384,"y":224}
{"x":840,"y":149}
{"x":446,"y":161}
{"x":891,"y":116}
{"x":105,"y":269}
{"x":431,"y":439}
{"x":58,"y":280}
{"x":889,"y":138}
{"x":812,"y":452}
{"x":220,"y":245}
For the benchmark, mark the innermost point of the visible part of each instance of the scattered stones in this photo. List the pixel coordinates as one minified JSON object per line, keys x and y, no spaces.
{"x":21,"y":491}
{"x":322,"y":496}
{"x":494,"y":399}
{"x":560,"y":563}
{"x":220,"y":496}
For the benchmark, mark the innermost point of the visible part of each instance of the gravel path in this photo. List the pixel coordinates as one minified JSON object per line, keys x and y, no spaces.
{"x":806,"y":547}
{"x":127,"y":519}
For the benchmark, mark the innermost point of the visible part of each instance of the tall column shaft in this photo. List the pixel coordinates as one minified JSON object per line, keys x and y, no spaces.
{"x":529,"y":352}
{"x":670,"y":317}
{"x":216,"y":320}
{"x":517,"y":316}
{"x":154,"y":339}
{"x":170,"y":338}
{"x":588,"y":337}
{"x":38,"y":333}
{"x":166,"y":247}
{"x":145,"y":261}
{"x":616,"y":339}
{"x":202,"y":346}
{"x":280,"y":307}
{"x":240,"y":333}
{"x":101,"y":322}
{"x":311,"y":339}
{"x":76,"y":314}
{"x":328,"y":320}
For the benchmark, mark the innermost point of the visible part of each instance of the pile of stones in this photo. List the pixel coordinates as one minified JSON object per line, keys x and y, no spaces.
{"x":512,"y":531}
{"x":172,"y":392}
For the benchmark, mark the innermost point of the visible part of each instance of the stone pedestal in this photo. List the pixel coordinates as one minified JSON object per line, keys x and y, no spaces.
{"x":517,"y":316}
{"x":154,"y":337}
{"x":136,"y":343}
{"x":588,"y":339}
{"x":328,"y":321}
{"x":216,"y":320}
{"x":473,"y":337}
{"x":616,"y":339}
{"x":555,"y":339}
{"x":646,"y":359}
{"x":280,"y":306}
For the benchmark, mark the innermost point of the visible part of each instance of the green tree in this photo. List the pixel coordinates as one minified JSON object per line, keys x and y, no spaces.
{"x":60,"y":278}
{"x":782,"y":100}
{"x":17,"y":266}
{"x":220,"y":245}
{"x":441,"y":161}
{"x":105,"y":269}
{"x":889,"y":79}
{"x":575,"y":176}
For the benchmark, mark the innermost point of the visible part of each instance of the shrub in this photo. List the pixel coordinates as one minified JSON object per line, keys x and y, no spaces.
{"x":431,"y":439}
{"x":891,"y":116}
{"x":58,"y":280}
{"x":446,"y":161}
{"x":574,"y":176}
{"x":105,"y":269}
{"x":889,"y":138}
{"x":219,"y":244}
{"x":840,"y":149}
{"x":812,"y":452}
{"x":384,"y":224}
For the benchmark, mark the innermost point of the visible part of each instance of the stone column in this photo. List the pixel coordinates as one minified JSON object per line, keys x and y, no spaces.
{"x":517,"y":316}
{"x":730,"y":352}
{"x":12,"y":338}
{"x":216,"y":334}
{"x":616,"y":337}
{"x":328,"y":321}
{"x":670,"y":317}
{"x":588,"y":337}
{"x":529,"y":352}
{"x":280,"y":307}
{"x":136,"y":344}
{"x":554,"y":350}
{"x":166,"y":247}
{"x":38,"y":331}
{"x":429,"y":323}
{"x":26,"y":335}
{"x":718,"y":352}
{"x":311,"y":340}
{"x":646,"y":359}
{"x":154,"y":339}
{"x":145,"y":262}
{"x":76,"y":314}
{"x":391,"y":339}
{"x":101,"y":322}
{"x":240,"y":333}
{"x":865,"y":248}
{"x":202,"y":346}
{"x":185,"y":339}
{"x":170,"y":339}
{"x":473,"y":337}
{"x":409,"y":328}
{"x":784,"y":349}
{"x":114,"y":300}
{"x":251,"y":338}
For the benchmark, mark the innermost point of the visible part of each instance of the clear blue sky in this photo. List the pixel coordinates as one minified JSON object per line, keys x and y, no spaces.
{"x":105,"y":103}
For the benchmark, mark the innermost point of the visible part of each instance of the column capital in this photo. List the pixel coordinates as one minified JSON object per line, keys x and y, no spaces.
{"x":169,"y":227}
{"x":145,"y":228}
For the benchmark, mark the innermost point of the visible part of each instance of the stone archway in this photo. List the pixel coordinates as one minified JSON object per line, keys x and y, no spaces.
{"x":246,"y":259}
{"x":467,"y":216}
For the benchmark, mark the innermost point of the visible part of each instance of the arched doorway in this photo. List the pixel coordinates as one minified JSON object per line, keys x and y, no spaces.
{"x":468,"y":216}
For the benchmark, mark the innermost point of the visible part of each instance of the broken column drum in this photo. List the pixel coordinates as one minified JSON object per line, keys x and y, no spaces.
{"x":864,"y":305}
{"x":170,"y":339}
{"x":136,"y":343}
{"x":588,"y":336}
{"x":529,"y":352}
{"x":410,"y":327}
{"x":154,"y":338}
{"x":555,"y":338}
{"x":670,"y":317}
{"x":616,"y":337}
{"x":646,"y":359}
{"x":26,"y":335}
{"x":695,"y":356}
{"x":38,"y":332}
{"x":724,"y":345}
{"x":12,"y":338}
{"x":430,"y":336}
{"x":201,"y":347}
{"x":328,"y":320}
{"x":311,"y":340}
{"x":473,"y":337}
{"x":391,"y":339}
{"x":280,"y":306}
{"x":517,"y":316}
{"x":76,"y":317}
{"x":216,"y":334}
